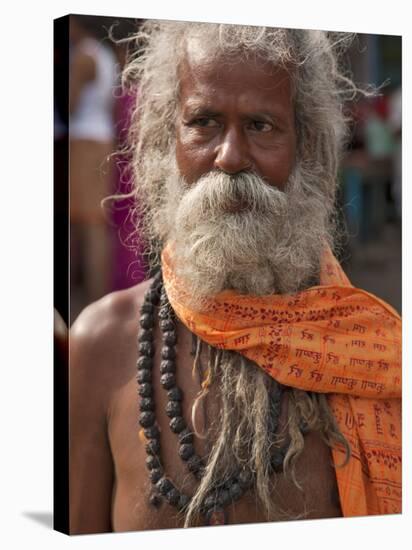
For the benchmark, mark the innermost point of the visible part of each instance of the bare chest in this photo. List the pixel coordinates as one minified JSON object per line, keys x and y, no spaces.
{"x":131,"y":508}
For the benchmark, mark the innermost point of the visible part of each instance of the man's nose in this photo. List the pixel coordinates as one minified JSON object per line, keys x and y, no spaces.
{"x":232,"y":154}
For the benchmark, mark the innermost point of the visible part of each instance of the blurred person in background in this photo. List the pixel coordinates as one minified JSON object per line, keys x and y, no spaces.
{"x":92,"y":79}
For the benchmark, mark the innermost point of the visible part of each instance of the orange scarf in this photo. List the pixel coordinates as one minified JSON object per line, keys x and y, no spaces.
{"x":333,"y":339}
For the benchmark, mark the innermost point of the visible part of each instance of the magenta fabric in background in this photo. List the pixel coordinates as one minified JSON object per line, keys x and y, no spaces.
{"x":129,"y":267}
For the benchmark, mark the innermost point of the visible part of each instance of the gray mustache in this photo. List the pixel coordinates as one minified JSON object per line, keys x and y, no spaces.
{"x":238,"y":192}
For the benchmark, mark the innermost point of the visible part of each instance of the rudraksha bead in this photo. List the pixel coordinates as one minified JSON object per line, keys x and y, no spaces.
{"x":144,"y":363}
{"x":194,"y":464}
{"x":169,"y":338}
{"x":175,"y":394}
{"x":186,"y":451}
{"x":172,"y":496}
{"x":173,"y":408}
{"x":223,"y":498}
{"x":153,"y":447}
{"x":166,"y":325}
{"x":146,"y":309}
{"x":155,"y":500}
{"x":209,"y":502}
{"x":144,"y":375}
{"x":183,"y":502}
{"x":167,"y":366}
{"x":245,"y":479}
{"x":146,"y":348}
{"x":164,"y":302}
{"x":235,"y":491}
{"x":199,"y":474}
{"x":152,"y":462}
{"x":177,"y":424}
{"x":168,"y":380}
{"x":155,"y":475}
{"x":277,"y":461}
{"x":164,"y":485}
{"x":153,"y":296}
{"x":147,"y":419}
{"x":147,"y":404}
{"x":145,"y":389}
{"x":145,"y":335}
{"x":185,"y":436}
{"x":168,"y":353}
{"x":227,"y":484}
{"x":152,"y":433}
{"x":164,"y":312}
{"x":146,"y":320}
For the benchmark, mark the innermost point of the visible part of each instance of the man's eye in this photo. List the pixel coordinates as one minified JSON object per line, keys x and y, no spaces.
{"x":203,"y":122}
{"x":261,"y":126}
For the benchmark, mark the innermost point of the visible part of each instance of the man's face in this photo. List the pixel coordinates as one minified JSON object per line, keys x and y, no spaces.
{"x":241,"y":210}
{"x":233,"y":118}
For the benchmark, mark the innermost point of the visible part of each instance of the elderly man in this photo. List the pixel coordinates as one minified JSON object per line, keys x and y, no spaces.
{"x":247,"y":381}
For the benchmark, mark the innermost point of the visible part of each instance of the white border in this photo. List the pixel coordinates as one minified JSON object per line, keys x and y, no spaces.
{"x":26,"y":272}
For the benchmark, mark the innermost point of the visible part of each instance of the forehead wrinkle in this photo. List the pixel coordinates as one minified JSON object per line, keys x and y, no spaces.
{"x":209,"y":101}
{"x":201,"y":66}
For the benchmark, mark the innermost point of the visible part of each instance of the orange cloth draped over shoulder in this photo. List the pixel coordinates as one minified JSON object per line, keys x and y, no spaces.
{"x":333,"y":339}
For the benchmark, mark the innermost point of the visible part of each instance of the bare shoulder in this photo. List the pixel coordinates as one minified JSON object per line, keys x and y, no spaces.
{"x":103,"y":337}
{"x":108,"y":318}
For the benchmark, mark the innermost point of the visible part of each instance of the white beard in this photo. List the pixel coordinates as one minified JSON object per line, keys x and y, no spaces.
{"x":237,"y":232}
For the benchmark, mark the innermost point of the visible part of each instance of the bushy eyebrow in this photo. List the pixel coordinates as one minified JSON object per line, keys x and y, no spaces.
{"x":196,"y":109}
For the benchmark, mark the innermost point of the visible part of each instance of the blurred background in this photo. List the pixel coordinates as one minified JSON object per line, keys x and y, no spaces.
{"x":91,"y":123}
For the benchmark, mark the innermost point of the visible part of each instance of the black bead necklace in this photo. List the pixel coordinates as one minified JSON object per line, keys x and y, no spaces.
{"x":214,"y":504}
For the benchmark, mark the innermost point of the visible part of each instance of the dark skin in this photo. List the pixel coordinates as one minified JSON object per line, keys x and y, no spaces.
{"x":233,"y":118}
{"x":109,"y":485}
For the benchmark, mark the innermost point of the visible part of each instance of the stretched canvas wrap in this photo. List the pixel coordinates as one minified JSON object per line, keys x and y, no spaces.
{"x":175,"y":409}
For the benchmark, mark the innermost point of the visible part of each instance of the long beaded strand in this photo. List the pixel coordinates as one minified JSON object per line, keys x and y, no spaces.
{"x":230,"y":491}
